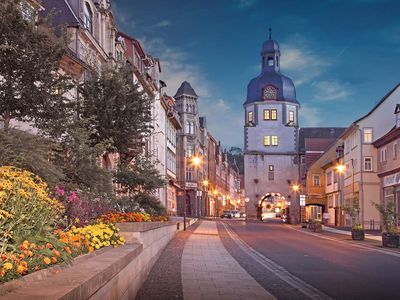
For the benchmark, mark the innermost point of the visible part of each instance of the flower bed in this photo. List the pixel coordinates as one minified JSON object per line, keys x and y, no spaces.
{"x":131,"y":217}
{"x":31,"y":222}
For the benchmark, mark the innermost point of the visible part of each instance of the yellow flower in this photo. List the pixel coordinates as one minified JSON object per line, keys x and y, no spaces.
{"x":8,"y":266}
{"x":46,"y":260}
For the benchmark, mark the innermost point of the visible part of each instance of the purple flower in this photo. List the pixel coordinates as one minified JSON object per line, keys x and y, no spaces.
{"x":60,"y":190}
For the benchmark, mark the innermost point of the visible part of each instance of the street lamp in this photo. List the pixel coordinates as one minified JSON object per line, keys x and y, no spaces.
{"x":205,"y":185}
{"x":195,"y":161}
{"x":296,"y":188}
{"x":341,"y":169}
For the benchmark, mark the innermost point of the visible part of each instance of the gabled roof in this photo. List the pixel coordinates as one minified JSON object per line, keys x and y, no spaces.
{"x":63,"y":13}
{"x":318,"y":132}
{"x":185,"y":89}
{"x":354,"y":124}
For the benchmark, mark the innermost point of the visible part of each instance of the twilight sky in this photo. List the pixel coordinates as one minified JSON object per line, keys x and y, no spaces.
{"x":342,"y":55}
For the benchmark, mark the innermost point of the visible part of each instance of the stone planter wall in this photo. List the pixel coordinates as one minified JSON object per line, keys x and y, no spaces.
{"x":109,"y":273}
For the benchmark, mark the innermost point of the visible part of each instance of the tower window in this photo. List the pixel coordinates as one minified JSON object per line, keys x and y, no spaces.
{"x":274,"y":114}
{"x":88,"y":17}
{"x":270,"y":61}
{"x":267,"y":140}
{"x":250,"y":117}
{"x":267,"y":114}
{"x":291,"y":116}
{"x":274,"y":140}
{"x":271,"y":168}
{"x":277,"y":61}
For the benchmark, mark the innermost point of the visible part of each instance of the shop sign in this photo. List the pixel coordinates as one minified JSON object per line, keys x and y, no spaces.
{"x":191,"y":184}
{"x":392,"y":179}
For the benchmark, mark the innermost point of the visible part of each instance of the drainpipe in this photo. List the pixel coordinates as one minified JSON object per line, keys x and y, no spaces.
{"x":360,"y":188}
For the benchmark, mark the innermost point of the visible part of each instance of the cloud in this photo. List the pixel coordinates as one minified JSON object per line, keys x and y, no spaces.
{"x":301,"y":60}
{"x":246,"y":3}
{"x":330,"y":90}
{"x":224,"y":118}
{"x":163,"y":23}
{"x":123,"y":17}
{"x":310,"y":116}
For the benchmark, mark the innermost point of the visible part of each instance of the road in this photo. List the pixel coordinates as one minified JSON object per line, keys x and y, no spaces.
{"x":338,"y":269}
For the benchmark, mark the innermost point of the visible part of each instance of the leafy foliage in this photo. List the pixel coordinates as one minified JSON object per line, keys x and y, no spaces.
{"x":79,"y":161}
{"x":31,"y":88}
{"x":118,"y":111}
{"x":389,"y":216}
{"x":26,"y":209}
{"x":29,"y":152}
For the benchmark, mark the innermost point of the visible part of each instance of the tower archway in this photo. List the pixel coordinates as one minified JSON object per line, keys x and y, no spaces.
{"x":271,"y":205}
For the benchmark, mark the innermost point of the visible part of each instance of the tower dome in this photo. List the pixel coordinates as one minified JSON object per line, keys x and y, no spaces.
{"x":271,"y":84}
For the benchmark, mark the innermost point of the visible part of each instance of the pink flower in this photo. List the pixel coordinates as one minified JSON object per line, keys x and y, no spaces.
{"x":74,"y":197}
{"x":60,"y":190}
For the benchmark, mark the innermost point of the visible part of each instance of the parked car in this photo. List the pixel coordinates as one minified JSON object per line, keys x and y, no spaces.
{"x":235,"y":213}
{"x":227,"y":214}
{"x":243,"y":215}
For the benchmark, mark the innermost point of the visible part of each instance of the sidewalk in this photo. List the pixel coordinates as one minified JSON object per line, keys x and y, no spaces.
{"x":345,"y":232}
{"x":209,"y":272}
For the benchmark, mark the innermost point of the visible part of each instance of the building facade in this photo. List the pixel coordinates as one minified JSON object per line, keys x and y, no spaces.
{"x":271,"y":138}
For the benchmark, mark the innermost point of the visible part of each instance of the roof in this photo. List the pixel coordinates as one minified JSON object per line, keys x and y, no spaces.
{"x":318,"y":132}
{"x":315,"y":147}
{"x":63,"y":13}
{"x":185,"y":89}
{"x":393,"y":134}
{"x":353,"y":125}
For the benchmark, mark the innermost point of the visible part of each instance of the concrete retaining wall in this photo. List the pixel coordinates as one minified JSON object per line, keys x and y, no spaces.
{"x":109,"y":273}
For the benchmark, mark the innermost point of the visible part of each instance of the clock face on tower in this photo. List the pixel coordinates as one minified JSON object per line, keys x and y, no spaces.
{"x":270,"y":93}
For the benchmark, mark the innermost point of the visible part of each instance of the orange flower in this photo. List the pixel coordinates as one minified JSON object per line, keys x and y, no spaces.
{"x":21,"y":269}
{"x":54,"y":260}
{"x":91,"y":249}
{"x":46,"y":260}
{"x":56,"y":253}
{"x":24,"y":264}
{"x":23,"y":246}
{"x":49,"y":246}
{"x":68,"y":250}
{"x":30,"y":253}
{"x":21,"y":256}
{"x":33,"y":246}
{"x":37,"y":268}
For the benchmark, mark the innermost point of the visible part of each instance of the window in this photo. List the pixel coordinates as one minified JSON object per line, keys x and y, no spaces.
{"x":329,"y":178}
{"x":395,"y":151}
{"x":189,"y":151}
{"x":277,"y":61}
{"x":88,"y":17}
{"x":267,"y":114}
{"x":335,"y":177}
{"x":274,"y":114}
{"x":271,"y":168}
{"x":367,"y":163}
{"x":274,"y":140}
{"x":270,"y":175}
{"x":383,"y":155}
{"x":291,"y":116}
{"x":270,"y":61}
{"x":189,"y":174}
{"x":250,"y":117}
{"x":267,"y":140}
{"x":367,"y":135}
{"x":316,"y":180}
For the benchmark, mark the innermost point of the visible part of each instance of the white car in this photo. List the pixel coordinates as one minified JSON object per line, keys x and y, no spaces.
{"x":235,"y":213}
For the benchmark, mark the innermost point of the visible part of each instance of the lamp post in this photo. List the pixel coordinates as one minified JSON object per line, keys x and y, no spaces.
{"x":340,"y":169}
{"x":215,"y":193}
{"x":196,"y":161}
{"x":205,"y":185}
{"x":296,"y":188}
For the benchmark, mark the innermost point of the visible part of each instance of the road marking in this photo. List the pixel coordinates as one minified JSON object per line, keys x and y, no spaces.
{"x":369,"y":248}
{"x":281,"y":272}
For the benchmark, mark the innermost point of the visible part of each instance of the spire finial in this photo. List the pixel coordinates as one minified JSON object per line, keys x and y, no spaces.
{"x":270,"y":33}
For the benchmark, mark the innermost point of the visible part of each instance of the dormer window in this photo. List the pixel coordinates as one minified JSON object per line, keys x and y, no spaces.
{"x":88,"y":17}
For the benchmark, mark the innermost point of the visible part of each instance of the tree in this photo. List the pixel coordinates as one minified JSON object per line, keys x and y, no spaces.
{"x":139,"y":177}
{"x":31,"y":88}
{"x":29,"y":152}
{"x":120,"y":112}
{"x":79,"y":160}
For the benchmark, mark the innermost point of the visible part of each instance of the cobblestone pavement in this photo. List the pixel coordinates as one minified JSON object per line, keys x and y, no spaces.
{"x":164,"y":281}
{"x":276,"y":286}
{"x":210,"y":272}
